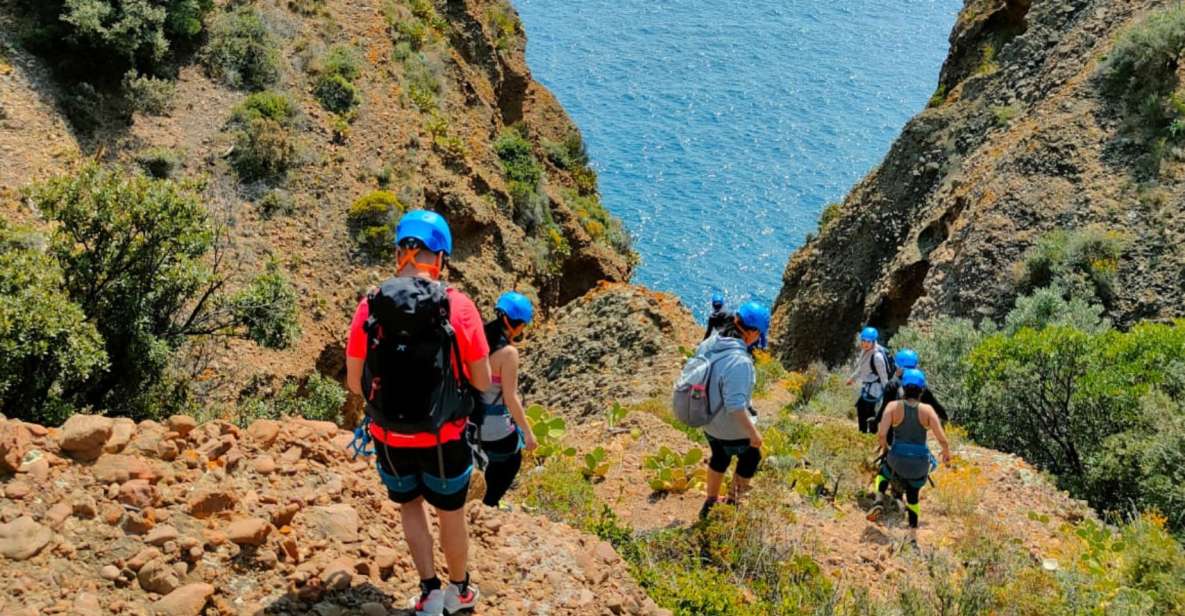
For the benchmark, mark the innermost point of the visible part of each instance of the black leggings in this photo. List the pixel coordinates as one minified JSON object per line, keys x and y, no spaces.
{"x":500,"y":474}
{"x":722,"y":452}
{"x":913,"y":496}
{"x":866,"y":415}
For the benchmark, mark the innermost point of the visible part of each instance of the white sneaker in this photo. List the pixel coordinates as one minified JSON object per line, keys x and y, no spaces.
{"x":455,"y":602}
{"x":431,"y":604}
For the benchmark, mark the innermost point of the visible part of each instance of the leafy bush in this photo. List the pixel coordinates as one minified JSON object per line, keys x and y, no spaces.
{"x":505,"y":24}
{"x":265,"y":146}
{"x":673,"y":472}
{"x":829,"y":214}
{"x":242,"y":52}
{"x":335,"y":82}
{"x":148,"y":94}
{"x":421,"y":81}
{"x":558,"y":490}
{"x":1082,"y":263}
{"x":615,"y":414}
{"x":1055,"y":396}
{"x":1141,"y":71}
{"x":372,"y":219}
{"x":518,"y":159}
{"x":106,"y":38}
{"x":276,"y":203}
{"x":595,"y":464}
{"x":160,"y":163}
{"x":569,"y":154}
{"x":268,"y":309}
{"x":443,"y":140}
{"x":132,"y":251}
{"x":957,"y":488}
{"x":47,"y":346}
{"x":1049,"y":306}
{"x":769,"y":371}
{"x":944,"y":348}
{"x":549,"y":432}
{"x":319,"y":398}
{"x":661,"y":408}
{"x":805,"y":385}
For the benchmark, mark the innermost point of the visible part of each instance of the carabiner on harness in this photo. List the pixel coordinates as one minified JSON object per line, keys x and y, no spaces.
{"x":361,"y":439}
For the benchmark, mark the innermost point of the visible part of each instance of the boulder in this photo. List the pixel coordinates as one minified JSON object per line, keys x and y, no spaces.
{"x":23,"y":538}
{"x":158,"y":576}
{"x":160,"y":535}
{"x":137,"y":493}
{"x":336,"y":522}
{"x":185,"y":601}
{"x":122,"y":430}
{"x":119,"y":467}
{"x":206,"y":502}
{"x":14,"y":441}
{"x":264,"y":431}
{"x":248,"y":531}
{"x":83,"y":436}
{"x":182,"y":424}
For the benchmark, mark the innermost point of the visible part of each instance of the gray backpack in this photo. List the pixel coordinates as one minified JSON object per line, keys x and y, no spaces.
{"x":692,"y":401}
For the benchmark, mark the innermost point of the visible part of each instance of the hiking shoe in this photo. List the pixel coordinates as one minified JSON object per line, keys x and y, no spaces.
{"x":455,"y":602}
{"x":875,"y":513}
{"x":429,"y":603}
{"x":708,"y":504}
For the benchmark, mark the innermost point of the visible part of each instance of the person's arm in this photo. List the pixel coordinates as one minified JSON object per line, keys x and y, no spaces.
{"x":356,"y":348}
{"x":514,"y":403}
{"x":882,"y":432}
{"x":742,"y":419}
{"x":939,"y":434}
{"x":856,"y":369}
{"x":479,"y":373}
{"x":354,"y":374}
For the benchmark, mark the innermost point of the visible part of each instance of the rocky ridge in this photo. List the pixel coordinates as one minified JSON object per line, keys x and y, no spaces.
{"x":108,"y":517}
{"x":1018,"y":141}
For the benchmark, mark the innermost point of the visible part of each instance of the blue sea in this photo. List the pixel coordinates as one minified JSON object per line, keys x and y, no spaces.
{"x":721,"y":129}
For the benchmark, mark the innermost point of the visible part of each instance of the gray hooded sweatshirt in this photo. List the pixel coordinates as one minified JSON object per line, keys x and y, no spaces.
{"x":731,"y":385}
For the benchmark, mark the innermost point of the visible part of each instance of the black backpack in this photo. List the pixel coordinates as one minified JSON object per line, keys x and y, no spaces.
{"x":890,"y":362}
{"x":410,"y":380}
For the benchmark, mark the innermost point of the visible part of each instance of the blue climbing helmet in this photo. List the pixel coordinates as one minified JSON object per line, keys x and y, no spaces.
{"x":754,"y":315}
{"x":429,"y":228}
{"x":906,"y":359}
{"x":869,"y":334}
{"x":913,"y":378}
{"x":717,"y":300}
{"x":516,"y":306}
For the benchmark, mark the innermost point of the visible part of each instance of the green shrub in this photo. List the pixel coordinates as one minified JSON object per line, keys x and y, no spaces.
{"x":276,"y":203}
{"x":944,"y":348}
{"x":308,"y":8}
{"x":769,"y":371}
{"x":595,"y":464}
{"x":242,"y":52}
{"x":1141,"y":70}
{"x":505,"y":24}
{"x":267,"y":309}
{"x":160,"y":163}
{"x":336,"y":93}
{"x":830,"y":214}
{"x":132,"y":251}
{"x":320,"y":398}
{"x":568,"y":154}
{"x":1049,"y":306}
{"x":518,"y":160}
{"x":549,"y":432}
{"x":148,"y":94}
{"x":372,"y":219}
{"x":1005,"y":114}
{"x":421,"y":81}
{"x":558,"y":490}
{"x":426,"y":11}
{"x":598,"y":222}
{"x":1082,"y":263}
{"x":105,"y":38}
{"x":1054,"y":396}
{"x":265,"y":146}
{"x":47,"y":347}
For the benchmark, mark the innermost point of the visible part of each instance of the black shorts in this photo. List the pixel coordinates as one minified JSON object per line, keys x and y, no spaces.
{"x":412,"y":472}
{"x":723,"y":451}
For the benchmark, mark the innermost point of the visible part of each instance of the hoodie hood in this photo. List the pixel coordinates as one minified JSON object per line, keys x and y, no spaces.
{"x":720,"y":344}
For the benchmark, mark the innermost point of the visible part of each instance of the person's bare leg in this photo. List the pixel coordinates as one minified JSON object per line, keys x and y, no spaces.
{"x":740,"y":486}
{"x":419,"y":537}
{"x":454,"y":541}
{"x":715,"y":480}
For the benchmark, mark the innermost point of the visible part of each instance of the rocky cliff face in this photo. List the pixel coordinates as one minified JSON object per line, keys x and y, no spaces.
{"x":474,"y":54}
{"x":1019,"y":140}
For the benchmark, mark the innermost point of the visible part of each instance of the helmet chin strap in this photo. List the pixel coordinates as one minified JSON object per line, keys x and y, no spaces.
{"x":408,"y":257}
{"x":514,"y":334}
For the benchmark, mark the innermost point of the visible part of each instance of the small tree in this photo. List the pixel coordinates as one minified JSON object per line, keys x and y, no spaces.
{"x":133,"y":256}
{"x":47,"y":346}
{"x":242,"y":52}
{"x":267,"y":309}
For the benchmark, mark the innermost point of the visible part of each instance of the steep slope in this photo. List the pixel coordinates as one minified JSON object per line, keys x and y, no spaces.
{"x":1019,"y":140}
{"x":433,"y":152}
